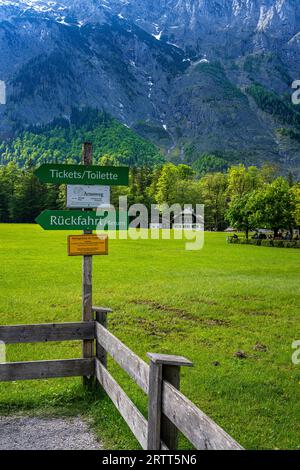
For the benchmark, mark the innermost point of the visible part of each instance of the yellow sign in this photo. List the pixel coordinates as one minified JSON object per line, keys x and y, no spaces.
{"x":87,"y":245}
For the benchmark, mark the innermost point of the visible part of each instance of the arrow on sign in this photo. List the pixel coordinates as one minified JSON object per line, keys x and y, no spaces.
{"x":79,"y":220}
{"x":83,"y":174}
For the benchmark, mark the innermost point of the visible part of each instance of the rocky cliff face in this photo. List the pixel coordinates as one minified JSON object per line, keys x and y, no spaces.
{"x":181,"y":72}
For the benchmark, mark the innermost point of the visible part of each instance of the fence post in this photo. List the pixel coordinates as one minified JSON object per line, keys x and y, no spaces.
{"x":101,"y":317}
{"x":160,"y":428}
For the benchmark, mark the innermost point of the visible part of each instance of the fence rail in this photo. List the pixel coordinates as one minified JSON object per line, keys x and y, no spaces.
{"x":169,"y":410}
{"x":46,"y":369}
{"x":201,"y":430}
{"x":47,"y":332}
{"x":127,"y":359}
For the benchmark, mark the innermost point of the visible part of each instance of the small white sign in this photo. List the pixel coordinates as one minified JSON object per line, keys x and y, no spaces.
{"x":88,"y":197}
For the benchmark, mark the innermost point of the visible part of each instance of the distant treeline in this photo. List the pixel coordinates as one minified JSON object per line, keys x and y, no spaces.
{"x":246,"y":198}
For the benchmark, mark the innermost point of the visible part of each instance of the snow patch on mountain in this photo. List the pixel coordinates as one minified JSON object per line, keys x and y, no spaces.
{"x":157,"y":36}
{"x":37,"y":5}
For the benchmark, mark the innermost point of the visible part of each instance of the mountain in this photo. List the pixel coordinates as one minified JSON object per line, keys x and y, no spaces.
{"x":196,"y":77}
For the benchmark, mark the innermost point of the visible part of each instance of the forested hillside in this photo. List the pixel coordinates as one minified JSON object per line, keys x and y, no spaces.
{"x":61,"y":142}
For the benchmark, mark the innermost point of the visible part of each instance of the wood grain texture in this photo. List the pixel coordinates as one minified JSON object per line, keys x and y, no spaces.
{"x":127,"y":359}
{"x":134,"y":419}
{"x":46,"y":369}
{"x":87,"y":290}
{"x":154,"y":406}
{"x":101,"y":354}
{"x":169,"y":432}
{"x":87,"y":313}
{"x":170,"y":360}
{"x":199,"y":429}
{"x":47,"y":332}
{"x":87,"y":153}
{"x":102,"y":310}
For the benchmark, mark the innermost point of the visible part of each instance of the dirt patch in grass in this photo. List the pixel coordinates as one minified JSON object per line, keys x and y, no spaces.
{"x":157,"y":330}
{"x":258,"y":313}
{"x":215,"y":322}
{"x":200,"y":300}
{"x":180,"y":313}
{"x":247,"y":298}
{"x":260,"y":347}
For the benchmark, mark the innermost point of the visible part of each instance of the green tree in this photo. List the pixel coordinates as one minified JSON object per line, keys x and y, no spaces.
{"x":167,"y":185}
{"x":176,"y":185}
{"x":239,"y":214}
{"x":242,"y":180}
{"x":213,"y":190}
{"x":9,"y":176}
{"x":273,"y":207}
{"x":189,"y":192}
{"x":269,"y":172}
{"x":209,"y":163}
{"x":185,"y":172}
{"x":29,"y":198}
{"x":296,"y":195}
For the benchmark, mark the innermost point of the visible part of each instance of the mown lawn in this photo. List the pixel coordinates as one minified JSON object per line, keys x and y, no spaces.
{"x":205,"y":305}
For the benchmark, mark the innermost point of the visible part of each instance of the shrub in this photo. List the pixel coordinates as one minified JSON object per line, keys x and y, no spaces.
{"x":292,"y":244}
{"x":233,"y":240}
{"x":255,"y":242}
{"x":267,"y":243}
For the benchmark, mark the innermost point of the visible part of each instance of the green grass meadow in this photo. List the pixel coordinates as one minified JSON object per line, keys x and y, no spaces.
{"x":205,"y":305}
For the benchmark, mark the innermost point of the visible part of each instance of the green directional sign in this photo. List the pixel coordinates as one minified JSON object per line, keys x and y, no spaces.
{"x":79,"y":220}
{"x":82,"y":174}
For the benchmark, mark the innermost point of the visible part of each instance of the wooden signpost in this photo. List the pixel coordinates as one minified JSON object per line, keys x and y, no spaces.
{"x":87,"y":183}
{"x":87,"y":278}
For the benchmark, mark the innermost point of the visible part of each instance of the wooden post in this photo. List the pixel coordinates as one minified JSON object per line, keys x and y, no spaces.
{"x":160,"y":428}
{"x":154,"y":406}
{"x":169,"y":432}
{"x":101,"y":317}
{"x":87,"y":278}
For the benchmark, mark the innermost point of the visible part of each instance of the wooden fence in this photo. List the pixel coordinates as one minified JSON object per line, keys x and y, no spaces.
{"x":169,"y":411}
